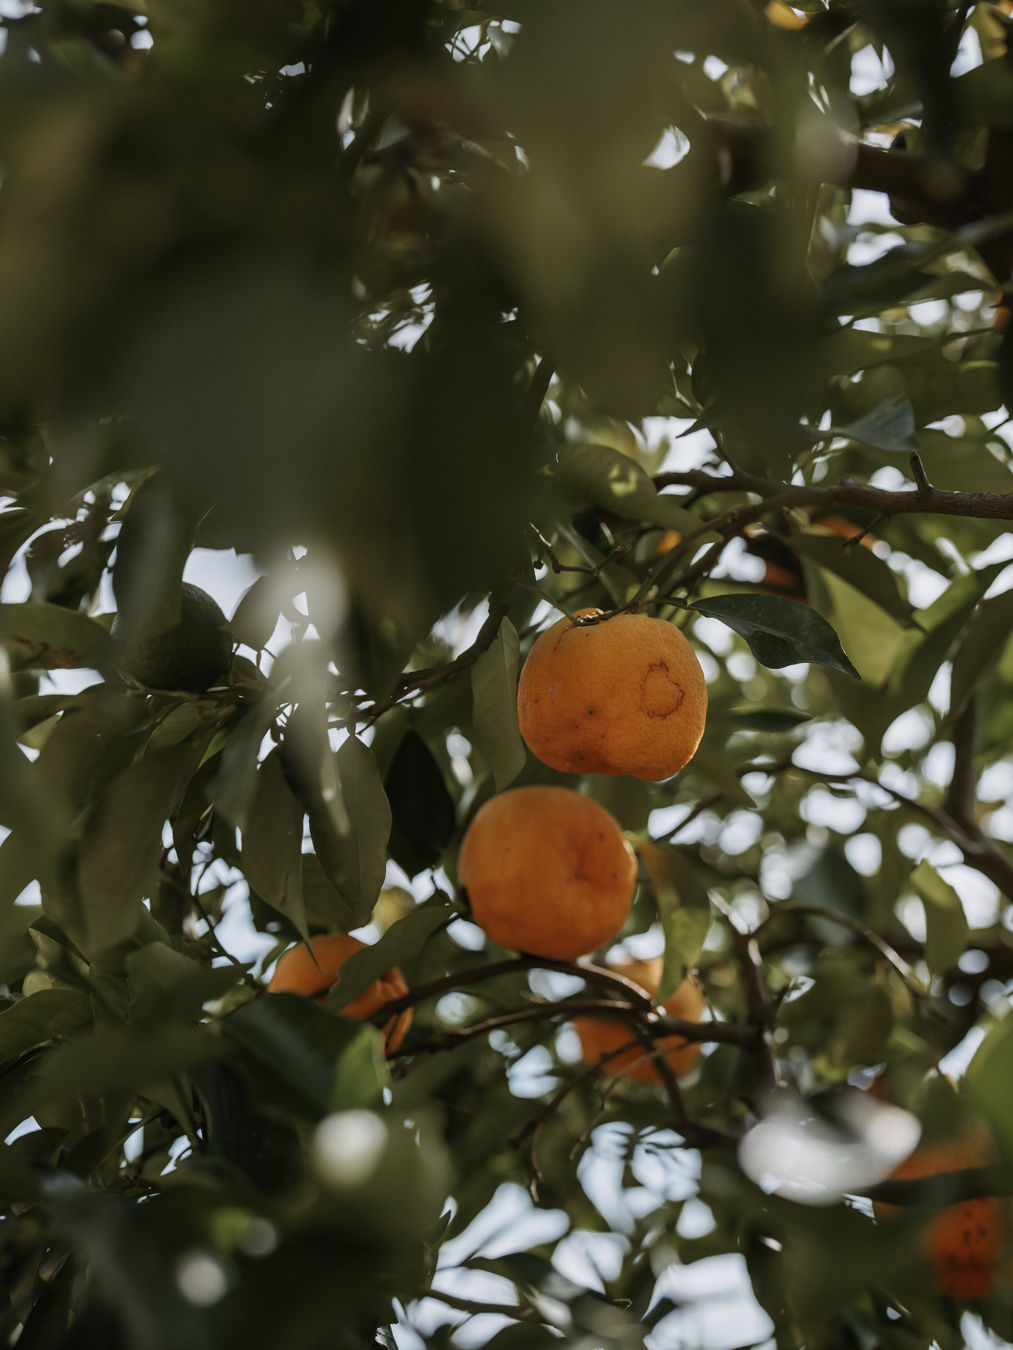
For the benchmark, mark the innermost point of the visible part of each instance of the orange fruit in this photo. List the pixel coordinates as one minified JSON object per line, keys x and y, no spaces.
{"x":669,"y":540}
{"x":962,"y":1242}
{"x":600,"y":1036}
{"x":783,"y":581}
{"x":624,"y":696}
{"x":547,"y":871}
{"x":298,"y":973}
{"x":783,"y":16}
{"x":846,"y":528}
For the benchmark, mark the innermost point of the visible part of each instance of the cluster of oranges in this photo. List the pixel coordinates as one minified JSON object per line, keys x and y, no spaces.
{"x":547,"y":870}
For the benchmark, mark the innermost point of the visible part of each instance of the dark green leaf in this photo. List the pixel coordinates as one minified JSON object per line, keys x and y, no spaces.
{"x":116,"y":1061}
{"x":166,"y":984}
{"x":779,"y":632}
{"x":353,"y":861}
{"x":424,"y":817}
{"x":494,"y":706}
{"x":300,"y":1048}
{"x":121,"y":847}
{"x":43,"y":1016}
{"x":256,"y":614}
{"x":272,"y":843}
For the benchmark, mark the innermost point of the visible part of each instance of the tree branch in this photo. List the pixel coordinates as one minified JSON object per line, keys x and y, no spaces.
{"x":922,"y":501}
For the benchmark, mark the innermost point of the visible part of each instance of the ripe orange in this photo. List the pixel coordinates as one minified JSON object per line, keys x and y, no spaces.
{"x":599,"y":1036}
{"x":624,"y":696}
{"x":963,"y":1242}
{"x":296,"y":973}
{"x":547,"y":871}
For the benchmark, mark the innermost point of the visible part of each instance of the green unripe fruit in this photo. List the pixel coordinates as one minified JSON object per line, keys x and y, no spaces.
{"x":193,"y":654}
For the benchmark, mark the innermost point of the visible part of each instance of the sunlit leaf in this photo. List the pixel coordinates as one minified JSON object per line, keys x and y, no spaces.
{"x":946,"y":926}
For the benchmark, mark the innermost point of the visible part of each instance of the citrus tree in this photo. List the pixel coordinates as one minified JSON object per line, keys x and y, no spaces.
{"x":668,"y":334}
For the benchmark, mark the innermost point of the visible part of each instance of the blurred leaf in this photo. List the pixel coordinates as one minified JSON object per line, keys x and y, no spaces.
{"x":987,"y":1079}
{"x":301,"y":1048}
{"x":272,"y":843}
{"x":494,"y":706}
{"x":45,"y":1016}
{"x":37,"y":634}
{"x":151,"y":550}
{"x":424,"y":816}
{"x":116,"y":1062}
{"x":766,"y":719}
{"x":946,"y":927}
{"x":779,"y":632}
{"x":859,"y":567}
{"x":832,"y":883}
{"x":980,"y":648}
{"x":684,"y":910}
{"x":607,"y":478}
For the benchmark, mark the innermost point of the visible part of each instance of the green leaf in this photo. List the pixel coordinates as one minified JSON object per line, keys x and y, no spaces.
{"x":299,"y":1048}
{"x":858,"y":566}
{"x":494,"y":706}
{"x":166,"y":984}
{"x":684,"y":910}
{"x":41,"y":1017}
{"x":121,"y":847}
{"x":946,"y":927}
{"x":922,"y":652}
{"x":987,"y":1081}
{"x":779,"y":632}
{"x":424,"y":816}
{"x":983,"y":643}
{"x":360,"y":1072}
{"x":607,"y":478}
{"x":256,"y":614}
{"x":272,"y":843}
{"x":354,"y":861}
{"x":402,"y":941}
{"x":889,"y":426}
{"x":116,"y":1062}
{"x":235,"y":783}
{"x":48,"y":636}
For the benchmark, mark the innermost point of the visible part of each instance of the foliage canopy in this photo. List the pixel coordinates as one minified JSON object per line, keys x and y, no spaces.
{"x":452,"y":318}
